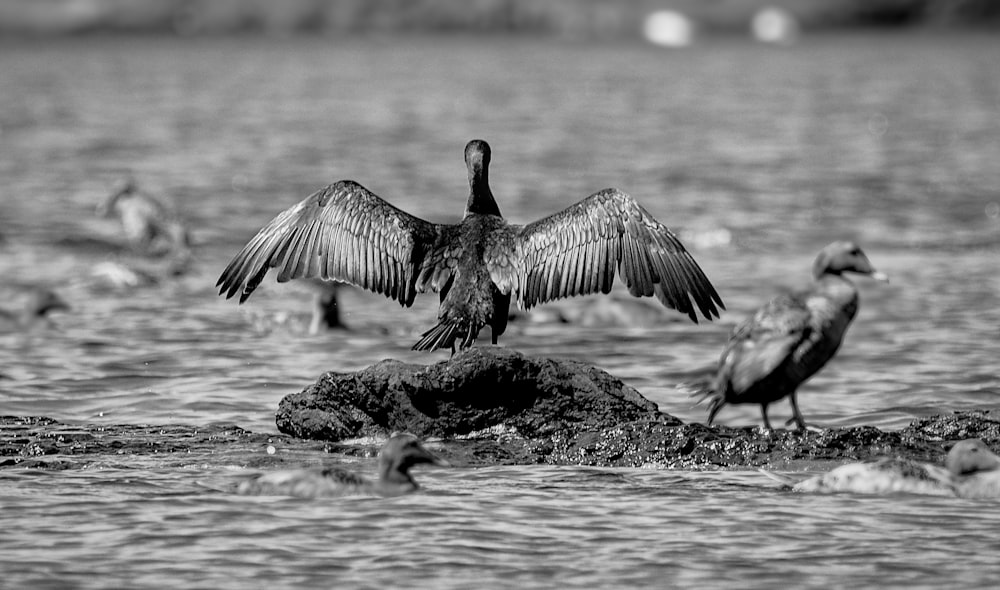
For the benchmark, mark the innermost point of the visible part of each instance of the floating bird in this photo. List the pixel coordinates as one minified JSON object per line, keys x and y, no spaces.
{"x":785,"y":342}
{"x":971,"y":471}
{"x":884,"y":476}
{"x":36,"y":309}
{"x":325,"y":306}
{"x":344,"y":232}
{"x":397,"y":456}
{"x":150,"y":227}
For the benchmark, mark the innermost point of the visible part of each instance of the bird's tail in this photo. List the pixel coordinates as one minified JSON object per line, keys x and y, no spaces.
{"x":444,"y":335}
{"x":709,"y":393}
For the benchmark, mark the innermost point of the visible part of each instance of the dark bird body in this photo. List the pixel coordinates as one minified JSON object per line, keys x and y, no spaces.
{"x":789,"y":339}
{"x":346,"y":233}
{"x":400,"y":453}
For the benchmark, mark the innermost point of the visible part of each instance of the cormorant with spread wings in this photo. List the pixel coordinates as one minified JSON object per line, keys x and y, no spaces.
{"x":344,"y":232}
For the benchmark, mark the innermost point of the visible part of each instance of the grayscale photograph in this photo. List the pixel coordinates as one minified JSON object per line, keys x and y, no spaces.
{"x":474,"y":294}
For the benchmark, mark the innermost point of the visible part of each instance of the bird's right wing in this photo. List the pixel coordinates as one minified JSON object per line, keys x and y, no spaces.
{"x":343,"y":232}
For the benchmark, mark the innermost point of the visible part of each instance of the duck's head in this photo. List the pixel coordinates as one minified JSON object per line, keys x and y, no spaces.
{"x":840,"y":257}
{"x":43,"y":301}
{"x":969,"y":456}
{"x":401,"y":452}
{"x":122,"y":188}
{"x":477,"y":160}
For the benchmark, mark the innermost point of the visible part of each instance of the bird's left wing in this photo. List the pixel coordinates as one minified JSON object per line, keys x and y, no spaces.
{"x":342,"y":232}
{"x":578,"y":250}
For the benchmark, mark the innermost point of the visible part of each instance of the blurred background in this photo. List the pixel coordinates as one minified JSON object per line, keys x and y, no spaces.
{"x":587,"y":18}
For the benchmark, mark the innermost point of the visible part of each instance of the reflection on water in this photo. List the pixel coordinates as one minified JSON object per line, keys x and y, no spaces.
{"x":890,"y":142}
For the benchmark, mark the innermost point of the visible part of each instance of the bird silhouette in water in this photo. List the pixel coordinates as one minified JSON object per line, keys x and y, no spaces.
{"x":344,"y":232}
{"x":35,"y":311}
{"x":397,"y":456}
{"x":789,"y":339}
{"x":150,"y":227}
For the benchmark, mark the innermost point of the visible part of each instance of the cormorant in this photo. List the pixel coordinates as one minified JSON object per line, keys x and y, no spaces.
{"x":789,"y":339}
{"x":344,"y":232}
{"x":397,"y":456}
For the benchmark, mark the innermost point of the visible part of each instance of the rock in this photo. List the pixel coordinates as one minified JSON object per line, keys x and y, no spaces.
{"x":480,"y":389}
{"x":496,"y":406}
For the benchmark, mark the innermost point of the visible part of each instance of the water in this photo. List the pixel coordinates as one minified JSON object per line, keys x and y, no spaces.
{"x":758,"y":156}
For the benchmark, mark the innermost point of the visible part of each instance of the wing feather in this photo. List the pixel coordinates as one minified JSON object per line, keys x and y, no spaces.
{"x":342,"y":232}
{"x":579,"y":250}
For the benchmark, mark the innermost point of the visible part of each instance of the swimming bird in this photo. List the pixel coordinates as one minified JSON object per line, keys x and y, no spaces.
{"x":397,"y":456}
{"x":345,"y":232}
{"x":884,"y":476}
{"x":789,"y":339}
{"x":971,"y":471}
{"x":36,"y":309}
{"x":325,"y":306}
{"x":150,"y":227}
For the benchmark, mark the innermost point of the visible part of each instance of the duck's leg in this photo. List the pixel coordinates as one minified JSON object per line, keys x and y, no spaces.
{"x":800,"y":422}
{"x":763,"y":413}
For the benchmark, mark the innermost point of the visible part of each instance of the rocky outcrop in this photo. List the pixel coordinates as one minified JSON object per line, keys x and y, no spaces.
{"x":489,"y":390}
{"x":485,"y":406}
{"x":495,"y":405}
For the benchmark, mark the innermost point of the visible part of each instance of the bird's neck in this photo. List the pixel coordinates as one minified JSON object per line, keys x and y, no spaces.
{"x":393,"y":479}
{"x":481,"y":201}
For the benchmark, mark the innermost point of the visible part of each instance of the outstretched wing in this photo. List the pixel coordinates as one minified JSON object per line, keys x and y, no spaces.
{"x":342,"y":232}
{"x":578,"y":250}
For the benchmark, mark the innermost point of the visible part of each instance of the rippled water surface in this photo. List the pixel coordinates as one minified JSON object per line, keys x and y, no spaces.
{"x":757,"y":156}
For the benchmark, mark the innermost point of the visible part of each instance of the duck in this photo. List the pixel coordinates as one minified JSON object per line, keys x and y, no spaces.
{"x":399,"y":453}
{"x":975,"y":469}
{"x":39,"y":304}
{"x":971,"y":470}
{"x":774,"y":351}
{"x":150,"y":227}
{"x":884,"y":476}
{"x":325,"y":306}
{"x":345,"y":232}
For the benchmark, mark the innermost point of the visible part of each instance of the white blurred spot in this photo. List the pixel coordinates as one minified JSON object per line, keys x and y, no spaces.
{"x":669,"y":29}
{"x":271,"y":450}
{"x":774,"y":25}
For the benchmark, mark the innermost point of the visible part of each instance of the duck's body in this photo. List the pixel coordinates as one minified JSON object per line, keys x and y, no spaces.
{"x":35,"y":311}
{"x":346,"y":233}
{"x":971,"y":471}
{"x":149,"y":226}
{"x":398,"y":455}
{"x":884,"y":476}
{"x":789,"y":339}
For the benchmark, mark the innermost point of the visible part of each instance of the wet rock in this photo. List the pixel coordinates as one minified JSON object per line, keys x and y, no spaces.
{"x":956,"y":426}
{"x":495,"y":405}
{"x":486,"y":389}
